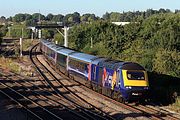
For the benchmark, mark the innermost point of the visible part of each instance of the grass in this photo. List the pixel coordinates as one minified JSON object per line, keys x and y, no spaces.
{"x":27,"y":43}
{"x":176,"y":105}
{"x":8,"y":64}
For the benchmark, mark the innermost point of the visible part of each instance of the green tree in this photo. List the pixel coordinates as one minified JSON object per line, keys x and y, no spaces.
{"x":59,"y":38}
{"x":58,"y":18}
{"x":115,"y":17}
{"x":47,"y":34}
{"x":4,"y":30}
{"x":88,"y":18}
{"x":36,"y":16}
{"x":167,"y":62}
{"x":30,"y":22}
{"x":106,"y":16}
{"x":19,"y":18}
{"x":49,"y":17}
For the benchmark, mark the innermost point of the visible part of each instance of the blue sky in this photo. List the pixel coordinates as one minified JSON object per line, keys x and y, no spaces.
{"x":98,"y":7}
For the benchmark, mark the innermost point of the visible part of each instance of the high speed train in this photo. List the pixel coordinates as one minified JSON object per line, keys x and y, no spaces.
{"x":120,"y":80}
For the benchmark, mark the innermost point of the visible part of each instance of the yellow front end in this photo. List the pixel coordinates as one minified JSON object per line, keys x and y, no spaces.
{"x":137,"y":78}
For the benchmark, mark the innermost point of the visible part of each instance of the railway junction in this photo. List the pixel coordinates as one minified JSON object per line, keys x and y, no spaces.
{"x":45,"y":93}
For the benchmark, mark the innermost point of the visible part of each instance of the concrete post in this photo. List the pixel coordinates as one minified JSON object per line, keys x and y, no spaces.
{"x":91,"y":42}
{"x":39,"y":33}
{"x":32,"y":36}
{"x":65,"y":36}
{"x":20,"y":42}
{"x":9,"y":28}
{"x":22,"y":33}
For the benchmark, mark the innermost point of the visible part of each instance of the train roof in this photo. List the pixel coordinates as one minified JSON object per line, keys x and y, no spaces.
{"x":96,"y":61}
{"x":65,"y":51}
{"x":115,"y":64}
{"x":82,"y":56}
{"x":44,"y":41}
{"x":102,"y":62}
{"x":51,"y":45}
{"x":54,"y":47}
{"x":131,"y":66}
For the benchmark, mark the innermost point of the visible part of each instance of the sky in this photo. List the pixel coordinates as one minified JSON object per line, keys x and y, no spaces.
{"x":98,"y":7}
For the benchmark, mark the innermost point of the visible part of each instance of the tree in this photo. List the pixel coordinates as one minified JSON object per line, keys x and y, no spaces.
{"x":2,"y":17}
{"x":19,"y":17}
{"x":88,"y":18}
{"x":36,"y":16}
{"x":4,"y":30}
{"x":106,"y":16}
{"x":58,"y":18}
{"x":59,"y":38}
{"x":167,"y":62}
{"x":10,"y":19}
{"x":76,"y":17}
{"x":30,"y":22}
{"x":71,"y":19}
{"x":47,"y":34}
{"x":115,"y":17}
{"x":28,"y":17}
{"x":49,"y":17}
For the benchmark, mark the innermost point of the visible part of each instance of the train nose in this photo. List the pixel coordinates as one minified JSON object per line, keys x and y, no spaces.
{"x":137,"y":95}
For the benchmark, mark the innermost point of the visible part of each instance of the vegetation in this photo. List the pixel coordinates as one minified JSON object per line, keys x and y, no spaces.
{"x":1,"y":35}
{"x":0,"y":38}
{"x":27,"y":43}
{"x":176,"y":106}
{"x":133,"y":16}
{"x":8,"y":64}
{"x":19,"y":30}
{"x":153,"y":43}
{"x":152,"y":39}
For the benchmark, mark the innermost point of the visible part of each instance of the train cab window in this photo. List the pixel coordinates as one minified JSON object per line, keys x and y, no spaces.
{"x":131,"y":75}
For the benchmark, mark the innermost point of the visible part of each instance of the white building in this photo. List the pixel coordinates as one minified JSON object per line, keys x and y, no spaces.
{"x":121,"y":23}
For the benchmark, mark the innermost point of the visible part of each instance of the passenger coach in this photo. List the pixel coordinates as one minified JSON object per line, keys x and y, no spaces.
{"x":119,"y":80}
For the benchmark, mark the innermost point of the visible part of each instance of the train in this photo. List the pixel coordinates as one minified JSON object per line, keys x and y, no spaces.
{"x":122,"y":81}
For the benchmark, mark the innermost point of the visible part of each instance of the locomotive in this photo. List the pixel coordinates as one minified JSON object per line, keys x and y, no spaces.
{"x":120,"y":80}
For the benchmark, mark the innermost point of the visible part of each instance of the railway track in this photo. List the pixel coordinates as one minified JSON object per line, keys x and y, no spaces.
{"x":35,"y":97}
{"x":159,"y":113}
{"x":7,"y":49}
{"x":41,"y":97}
{"x":140,"y":109}
{"x":22,"y":100}
{"x":84,"y":108}
{"x":57,"y":97}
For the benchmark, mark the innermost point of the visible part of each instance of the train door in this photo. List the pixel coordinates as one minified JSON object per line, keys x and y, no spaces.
{"x":100,"y":76}
{"x":118,"y":83}
{"x":94,"y":73}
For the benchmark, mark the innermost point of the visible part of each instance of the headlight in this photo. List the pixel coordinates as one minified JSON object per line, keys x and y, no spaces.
{"x":146,"y":88}
{"x":128,"y":87}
